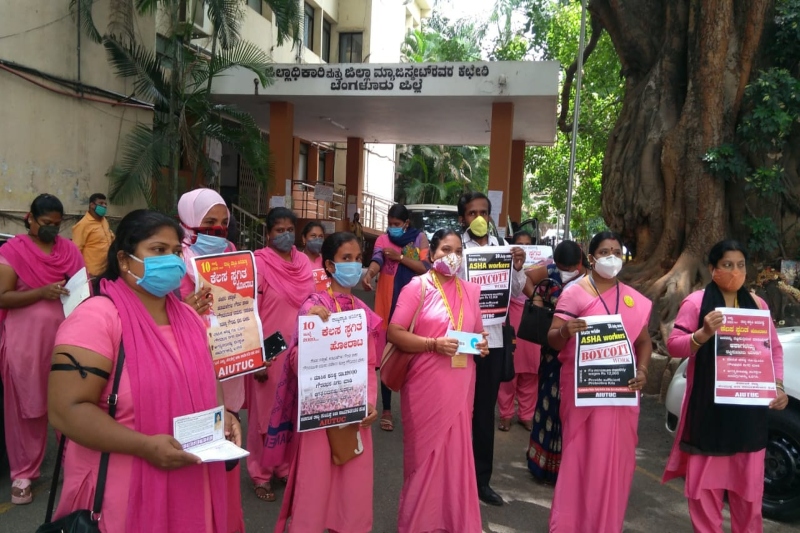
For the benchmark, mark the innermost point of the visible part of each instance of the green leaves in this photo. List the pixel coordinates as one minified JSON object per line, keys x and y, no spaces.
{"x":727,"y":162}
{"x":83,"y":9}
{"x":137,"y":62}
{"x":139,"y":170}
{"x":764,"y":235}
{"x":288,"y":19}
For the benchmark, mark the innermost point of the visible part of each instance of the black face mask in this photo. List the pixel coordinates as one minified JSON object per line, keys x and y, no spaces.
{"x":47,"y":234}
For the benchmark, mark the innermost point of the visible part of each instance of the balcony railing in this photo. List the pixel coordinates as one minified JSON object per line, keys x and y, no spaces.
{"x":306,"y":205}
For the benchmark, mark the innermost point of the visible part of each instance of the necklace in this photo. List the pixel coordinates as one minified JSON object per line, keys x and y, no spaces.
{"x":616,"y":311}
{"x":336,"y":302}
{"x":447,"y":304}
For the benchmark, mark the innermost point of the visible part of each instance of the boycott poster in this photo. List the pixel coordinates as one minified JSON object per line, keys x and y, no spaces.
{"x":490,"y":267}
{"x":537,"y":256}
{"x":604,"y":364}
{"x":744,"y":372}
{"x":332,"y":370}
{"x":234,"y":329}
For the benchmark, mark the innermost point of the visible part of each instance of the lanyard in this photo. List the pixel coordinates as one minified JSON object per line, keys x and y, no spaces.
{"x":447,"y":304}
{"x":336,"y":302}
{"x":616,"y":311}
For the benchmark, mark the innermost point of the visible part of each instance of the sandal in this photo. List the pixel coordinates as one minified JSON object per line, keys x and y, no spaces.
{"x":264,"y":492}
{"x":505,"y":424}
{"x":21,"y":492}
{"x":387,"y":424}
{"x":528,"y":425}
{"x":285,"y":480}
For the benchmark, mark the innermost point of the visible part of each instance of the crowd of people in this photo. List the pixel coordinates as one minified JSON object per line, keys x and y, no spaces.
{"x":145,"y":327}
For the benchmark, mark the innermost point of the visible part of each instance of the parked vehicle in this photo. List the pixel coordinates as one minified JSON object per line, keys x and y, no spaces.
{"x":432,"y":217}
{"x":782,"y":462}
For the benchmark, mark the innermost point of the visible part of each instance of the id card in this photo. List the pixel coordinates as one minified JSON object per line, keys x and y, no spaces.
{"x":459,"y":360}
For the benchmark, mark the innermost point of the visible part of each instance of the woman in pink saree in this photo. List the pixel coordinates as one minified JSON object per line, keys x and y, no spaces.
{"x":319,"y":495}
{"x":33,"y":270}
{"x":440,"y":491}
{"x":152,"y":485}
{"x":205,"y":218}
{"x":284,"y":281}
{"x":599,"y":442}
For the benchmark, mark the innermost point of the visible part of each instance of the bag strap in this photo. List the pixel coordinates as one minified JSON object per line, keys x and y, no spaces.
{"x":103,"y":471}
{"x":419,"y":307}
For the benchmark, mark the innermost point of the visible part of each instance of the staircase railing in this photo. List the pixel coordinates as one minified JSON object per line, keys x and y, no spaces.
{"x":376,"y":209}
{"x":252,"y":230}
{"x":305,"y":205}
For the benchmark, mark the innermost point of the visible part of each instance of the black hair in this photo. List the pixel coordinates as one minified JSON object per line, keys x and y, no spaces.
{"x":280,"y":213}
{"x":521,"y":234}
{"x":331,"y":245}
{"x":398,"y":211}
{"x":311,"y":225}
{"x":440,"y":235}
{"x":43,"y":204}
{"x":97,"y":196}
{"x":471,"y":196}
{"x":719,"y":249}
{"x":603,"y":236}
{"x":135,"y":227}
{"x":568,"y":253}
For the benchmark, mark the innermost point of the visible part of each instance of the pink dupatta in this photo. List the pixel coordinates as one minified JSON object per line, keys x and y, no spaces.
{"x":164,"y":385}
{"x":293,"y":279}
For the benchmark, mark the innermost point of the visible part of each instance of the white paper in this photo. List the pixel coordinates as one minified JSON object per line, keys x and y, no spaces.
{"x":323,"y":193}
{"x":467,"y":342}
{"x":496,"y":199}
{"x":328,"y":226}
{"x":277,"y":201}
{"x":352,"y":209}
{"x":537,"y":256}
{"x":78,"y":287}
{"x":203,"y":434}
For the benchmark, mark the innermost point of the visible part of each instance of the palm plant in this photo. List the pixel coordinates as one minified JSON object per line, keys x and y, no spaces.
{"x":177,"y":82}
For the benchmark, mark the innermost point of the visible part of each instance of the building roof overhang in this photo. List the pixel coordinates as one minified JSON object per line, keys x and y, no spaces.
{"x":419,"y":103}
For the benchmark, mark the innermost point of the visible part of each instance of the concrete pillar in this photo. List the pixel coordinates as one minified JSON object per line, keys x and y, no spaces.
{"x":516,"y":183}
{"x":330,"y":165}
{"x":312,"y":174}
{"x":354,"y":176}
{"x":281,"y":145}
{"x":500,"y":154}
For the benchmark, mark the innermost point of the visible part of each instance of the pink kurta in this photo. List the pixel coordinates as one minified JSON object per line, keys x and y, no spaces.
{"x":526,"y":366}
{"x":320,"y":495}
{"x":80,"y":464}
{"x":440,"y":491}
{"x":599,"y":443}
{"x":742,"y":473}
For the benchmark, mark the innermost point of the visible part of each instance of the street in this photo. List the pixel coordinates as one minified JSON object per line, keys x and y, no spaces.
{"x":653,"y":507}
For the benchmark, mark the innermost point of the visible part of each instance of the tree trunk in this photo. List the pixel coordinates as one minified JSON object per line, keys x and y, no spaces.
{"x":686,"y":64}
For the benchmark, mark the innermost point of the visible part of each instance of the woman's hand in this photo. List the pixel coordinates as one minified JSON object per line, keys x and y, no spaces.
{"x":639,"y":381}
{"x":261,"y":375}
{"x":780,"y":402}
{"x":446,"y":346}
{"x":166,"y":453}
{"x":54,"y":291}
{"x":233,"y":430}
{"x":372,"y":416}
{"x":366,"y":282}
{"x":392,"y":255}
{"x":320,"y":311}
{"x":201,"y":300}
{"x":571,"y":327}
{"x":483,"y":346}
{"x":711,"y":323}
{"x":518,"y":257}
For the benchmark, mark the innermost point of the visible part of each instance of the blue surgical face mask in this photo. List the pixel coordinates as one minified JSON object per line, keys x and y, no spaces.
{"x":208,"y":244}
{"x":162,"y":274}
{"x":396,"y":232}
{"x":283,"y":242}
{"x":347,"y":274}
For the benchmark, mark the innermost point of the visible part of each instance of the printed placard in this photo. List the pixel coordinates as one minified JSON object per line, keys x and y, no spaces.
{"x":321,"y":280}
{"x":743,"y":346}
{"x":604,"y":364}
{"x":332,"y":370}
{"x":490,"y":267}
{"x":234,"y":328}
{"x":536,"y":255}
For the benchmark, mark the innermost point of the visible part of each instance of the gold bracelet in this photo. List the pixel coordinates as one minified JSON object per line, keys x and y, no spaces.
{"x":694,"y":341}
{"x":780,"y":388}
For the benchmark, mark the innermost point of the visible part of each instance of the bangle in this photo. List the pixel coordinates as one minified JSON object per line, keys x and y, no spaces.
{"x":694,"y":341}
{"x":561,"y":332}
{"x":780,"y":387}
{"x":402,"y":256}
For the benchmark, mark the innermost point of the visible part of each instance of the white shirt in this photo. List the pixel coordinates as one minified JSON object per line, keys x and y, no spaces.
{"x":495,"y":331}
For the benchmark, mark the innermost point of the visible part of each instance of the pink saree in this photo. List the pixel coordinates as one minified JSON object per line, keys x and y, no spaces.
{"x":599,"y":443}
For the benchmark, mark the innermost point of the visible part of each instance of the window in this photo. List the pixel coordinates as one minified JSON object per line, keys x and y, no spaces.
{"x":326,"y":41}
{"x":308,"y":27}
{"x":350,"y":47}
{"x":255,"y":5}
{"x":302,"y":165}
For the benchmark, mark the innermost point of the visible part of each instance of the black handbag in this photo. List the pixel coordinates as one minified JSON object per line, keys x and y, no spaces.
{"x":538,"y":314}
{"x":83,"y":520}
{"x":509,"y":345}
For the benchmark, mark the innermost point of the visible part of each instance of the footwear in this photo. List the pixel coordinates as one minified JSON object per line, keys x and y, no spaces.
{"x":21,"y":492}
{"x":487,"y":495}
{"x":505,"y":424}
{"x":264,"y":492}
{"x":387,"y":424}
{"x":527,"y":424}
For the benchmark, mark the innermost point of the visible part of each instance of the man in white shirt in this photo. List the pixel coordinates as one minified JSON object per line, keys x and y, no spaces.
{"x":473,"y":212}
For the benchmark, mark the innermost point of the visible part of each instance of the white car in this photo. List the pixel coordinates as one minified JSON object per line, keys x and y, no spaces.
{"x":782,"y":463}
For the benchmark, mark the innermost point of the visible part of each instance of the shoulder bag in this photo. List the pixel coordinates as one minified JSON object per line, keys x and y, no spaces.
{"x":538,"y":313}
{"x":394,"y":363}
{"x":83,"y":520}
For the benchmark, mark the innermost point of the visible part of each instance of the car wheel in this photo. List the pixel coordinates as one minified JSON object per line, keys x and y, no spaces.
{"x":782,"y":466}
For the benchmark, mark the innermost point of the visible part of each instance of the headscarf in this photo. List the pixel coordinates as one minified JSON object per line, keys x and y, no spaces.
{"x":193,"y":207}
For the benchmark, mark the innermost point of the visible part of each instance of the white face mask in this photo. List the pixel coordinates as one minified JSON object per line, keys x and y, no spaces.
{"x":608,"y":267}
{"x":567,"y":276}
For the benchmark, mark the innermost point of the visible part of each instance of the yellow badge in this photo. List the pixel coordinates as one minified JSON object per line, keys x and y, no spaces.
{"x":628,"y":301}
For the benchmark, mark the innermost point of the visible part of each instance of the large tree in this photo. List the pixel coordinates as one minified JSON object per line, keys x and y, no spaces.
{"x":689,"y":67}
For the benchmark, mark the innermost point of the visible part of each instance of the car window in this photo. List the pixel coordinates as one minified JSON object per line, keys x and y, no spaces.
{"x":429,"y":220}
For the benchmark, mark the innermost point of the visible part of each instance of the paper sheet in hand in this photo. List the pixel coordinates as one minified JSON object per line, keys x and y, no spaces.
{"x":78,"y":287}
{"x":203,"y":434}
{"x":467,"y":342}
